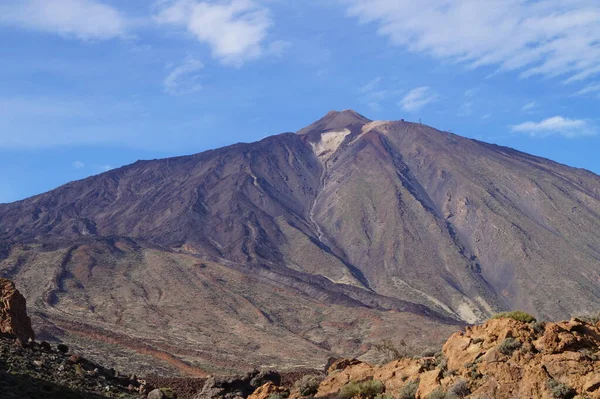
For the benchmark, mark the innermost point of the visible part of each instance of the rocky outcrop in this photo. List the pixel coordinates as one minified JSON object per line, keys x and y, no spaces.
{"x":13,"y":312}
{"x":265,"y":391}
{"x":501,"y":359}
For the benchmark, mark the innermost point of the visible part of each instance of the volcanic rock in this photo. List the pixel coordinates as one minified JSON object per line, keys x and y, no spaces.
{"x":13,"y":312}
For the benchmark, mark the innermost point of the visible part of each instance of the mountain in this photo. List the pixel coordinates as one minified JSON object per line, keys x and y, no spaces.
{"x":303,"y":245}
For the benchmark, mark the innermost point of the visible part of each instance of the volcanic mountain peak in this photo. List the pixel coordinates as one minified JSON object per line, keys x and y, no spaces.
{"x":349,"y":220}
{"x":335,"y":120}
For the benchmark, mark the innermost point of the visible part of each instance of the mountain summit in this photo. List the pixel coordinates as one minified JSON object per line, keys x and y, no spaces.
{"x":304,"y":245}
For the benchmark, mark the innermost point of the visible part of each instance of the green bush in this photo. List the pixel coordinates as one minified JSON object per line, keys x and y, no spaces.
{"x":308,"y":385}
{"x":560,"y":390}
{"x":365,"y":389}
{"x":508,"y":346}
{"x":516,"y":315}
{"x":409,"y":391}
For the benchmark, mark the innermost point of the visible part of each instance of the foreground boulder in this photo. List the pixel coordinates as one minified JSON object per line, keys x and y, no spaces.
{"x":501,"y":359}
{"x":13,"y":312}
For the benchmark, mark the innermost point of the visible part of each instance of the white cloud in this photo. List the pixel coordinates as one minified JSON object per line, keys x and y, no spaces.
{"x":235,"y":30}
{"x":556,"y":125}
{"x":106,"y":168}
{"x":418,"y":98}
{"x":529,"y":106}
{"x":83,"y":19}
{"x":184,"y":78}
{"x":78,"y":165}
{"x":548,"y":38}
{"x":592,"y":88}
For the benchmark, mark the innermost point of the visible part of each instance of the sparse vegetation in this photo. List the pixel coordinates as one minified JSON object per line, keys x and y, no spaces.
{"x":409,"y":391}
{"x":442,"y":363}
{"x":590,"y":354}
{"x":594,"y":319}
{"x":437,"y":394}
{"x":308,"y":385}
{"x":560,"y":390}
{"x":459,"y":390}
{"x":390,"y":352}
{"x":168,"y":392}
{"x":430,"y":352}
{"x":384,"y":396}
{"x":516,"y":315}
{"x":539,"y":327}
{"x":508,"y":346}
{"x":473,"y":371}
{"x":277,"y":396}
{"x":365,"y":389}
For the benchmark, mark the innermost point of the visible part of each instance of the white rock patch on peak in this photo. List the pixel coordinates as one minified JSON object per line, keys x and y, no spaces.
{"x":329,"y":143}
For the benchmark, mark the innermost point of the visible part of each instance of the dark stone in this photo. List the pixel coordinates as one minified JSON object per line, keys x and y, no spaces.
{"x":265,"y":376}
{"x":63,"y":348}
{"x":45,"y":346}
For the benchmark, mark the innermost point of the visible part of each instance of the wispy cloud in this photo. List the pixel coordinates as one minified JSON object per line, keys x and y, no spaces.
{"x":418,"y":98}
{"x":78,"y":165}
{"x":184,"y":78}
{"x":372,"y":94}
{"x":82,"y":19}
{"x":589,"y":89}
{"x":529,"y":106}
{"x":556,"y":125}
{"x":466,"y":109}
{"x":235,"y":30}
{"x":547,"y":38}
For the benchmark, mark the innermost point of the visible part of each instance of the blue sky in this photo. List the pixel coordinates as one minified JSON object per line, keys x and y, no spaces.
{"x":90,"y":85}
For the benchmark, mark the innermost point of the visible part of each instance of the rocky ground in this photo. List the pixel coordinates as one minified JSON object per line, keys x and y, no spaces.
{"x":510,"y":356}
{"x":501,"y":359}
{"x":39,"y":370}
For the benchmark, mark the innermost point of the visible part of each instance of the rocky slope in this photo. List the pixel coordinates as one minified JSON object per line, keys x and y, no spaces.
{"x":32,"y":370}
{"x":502,"y":359}
{"x":302,"y":246}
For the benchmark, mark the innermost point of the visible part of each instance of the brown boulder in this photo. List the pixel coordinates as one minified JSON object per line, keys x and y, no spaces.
{"x":266,"y":390}
{"x":13,"y":312}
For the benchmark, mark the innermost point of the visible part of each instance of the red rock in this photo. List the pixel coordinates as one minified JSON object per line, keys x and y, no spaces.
{"x":13,"y":312}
